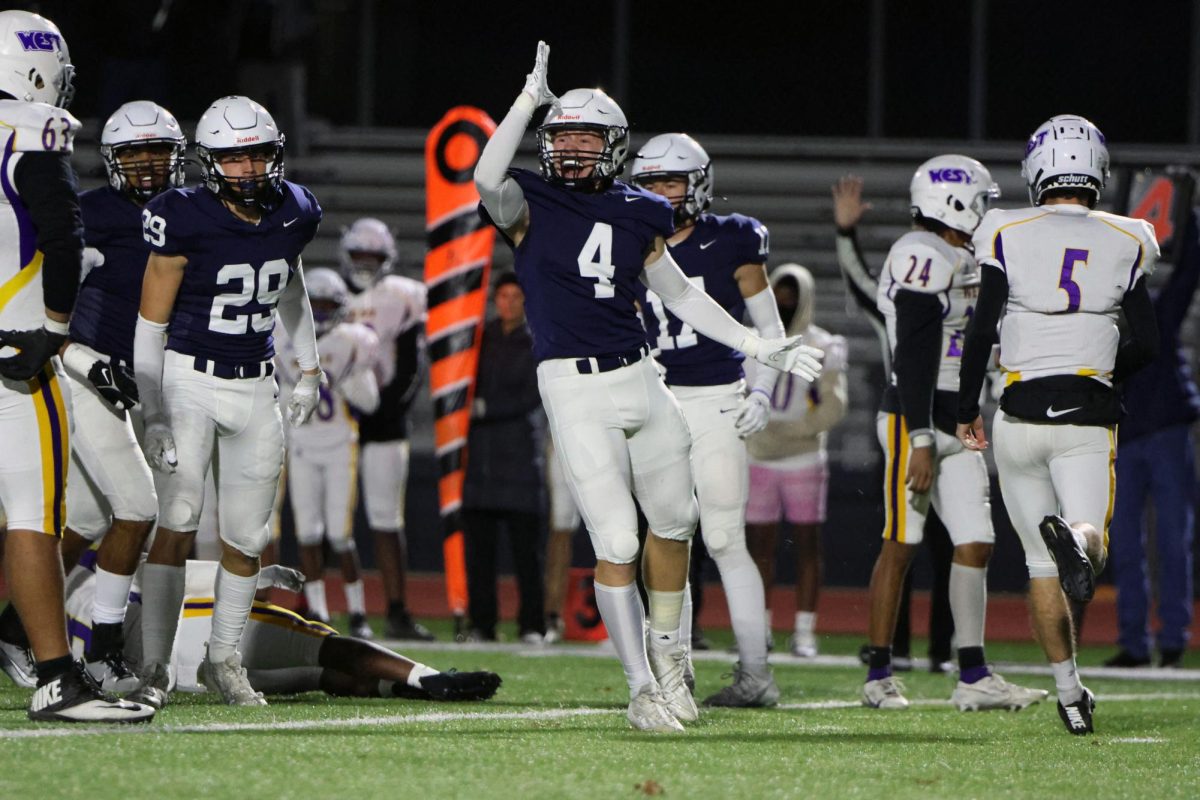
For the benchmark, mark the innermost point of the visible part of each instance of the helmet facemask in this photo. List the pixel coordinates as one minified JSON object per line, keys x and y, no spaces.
{"x":605,"y":164}
{"x":363,"y":268}
{"x":258,"y":190}
{"x":159,"y":169}
{"x":696,"y":198}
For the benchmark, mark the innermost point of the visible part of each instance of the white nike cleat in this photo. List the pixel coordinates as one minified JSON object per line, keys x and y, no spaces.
{"x":75,"y":696}
{"x":154,"y":686}
{"x":17,"y":662}
{"x":648,"y":711}
{"x":229,"y":679}
{"x":884,"y":693}
{"x":670,"y":668}
{"x":994,"y":692}
{"x":803,"y":645}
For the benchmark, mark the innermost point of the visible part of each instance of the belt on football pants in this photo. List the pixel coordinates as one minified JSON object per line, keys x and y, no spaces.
{"x":256,"y":369}
{"x":587,"y":366}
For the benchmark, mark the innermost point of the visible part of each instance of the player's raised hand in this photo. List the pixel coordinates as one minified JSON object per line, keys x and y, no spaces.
{"x":304,"y":398}
{"x":536,"y":82}
{"x":789,"y":355}
{"x":752,"y":413}
{"x":160,"y":447}
{"x":848,"y":205}
{"x":972,"y":435}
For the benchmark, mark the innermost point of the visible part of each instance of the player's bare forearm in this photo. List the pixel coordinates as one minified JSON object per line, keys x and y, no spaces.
{"x":160,"y":286}
{"x":751,"y":279}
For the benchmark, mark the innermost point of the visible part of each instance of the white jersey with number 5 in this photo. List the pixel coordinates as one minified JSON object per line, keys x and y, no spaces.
{"x":926,"y":263}
{"x":1068,"y":268}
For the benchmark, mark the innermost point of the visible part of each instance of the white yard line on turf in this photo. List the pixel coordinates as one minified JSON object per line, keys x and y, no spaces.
{"x":604,"y":650}
{"x":463,"y":716}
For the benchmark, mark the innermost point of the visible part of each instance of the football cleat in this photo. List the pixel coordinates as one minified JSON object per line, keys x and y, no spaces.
{"x":803,"y":645}
{"x":1171,"y":659}
{"x":153,"y":687}
{"x":1075,"y":571}
{"x":648,"y":711}
{"x":884,"y":693}
{"x":670,"y":668}
{"x":555,"y":629}
{"x":1127,"y":660}
{"x":112,"y":672}
{"x":229,"y":679}
{"x":401,"y":625}
{"x":451,"y":686}
{"x":359,"y":627}
{"x":17,"y":663}
{"x":994,"y":692}
{"x":532,"y":638}
{"x":75,"y":696}
{"x":747,"y":691}
{"x":1077,"y":716}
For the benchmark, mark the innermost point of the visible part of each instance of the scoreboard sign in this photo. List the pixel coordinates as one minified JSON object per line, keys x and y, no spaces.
{"x":1162,"y":197}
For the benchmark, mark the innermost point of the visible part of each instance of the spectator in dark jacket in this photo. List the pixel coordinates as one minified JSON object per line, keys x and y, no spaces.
{"x":1156,"y":461}
{"x":505,"y":482}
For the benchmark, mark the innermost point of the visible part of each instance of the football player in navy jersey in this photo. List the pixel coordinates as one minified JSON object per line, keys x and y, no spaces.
{"x":582,"y":241}
{"x":726,"y":257}
{"x":111,"y":491}
{"x":224,"y":256}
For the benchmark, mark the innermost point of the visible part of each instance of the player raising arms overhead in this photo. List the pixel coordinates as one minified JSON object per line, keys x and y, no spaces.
{"x":582,"y":240}
{"x":1058,"y":273}
{"x":724,"y":256}
{"x":224,"y":256}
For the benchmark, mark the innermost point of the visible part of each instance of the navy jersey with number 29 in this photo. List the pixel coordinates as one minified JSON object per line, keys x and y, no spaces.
{"x":579,"y":263}
{"x":235,"y":271}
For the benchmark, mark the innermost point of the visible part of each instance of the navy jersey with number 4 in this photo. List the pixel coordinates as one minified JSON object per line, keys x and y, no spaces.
{"x":579,"y":263}
{"x":710,"y":256}
{"x":236,"y":270}
{"x":107,"y":308}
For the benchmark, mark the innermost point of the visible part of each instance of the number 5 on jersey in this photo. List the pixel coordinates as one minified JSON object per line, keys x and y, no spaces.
{"x":595,"y":260}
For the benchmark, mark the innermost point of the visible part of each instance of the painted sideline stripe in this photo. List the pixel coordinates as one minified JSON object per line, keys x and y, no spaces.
{"x":67,"y":730}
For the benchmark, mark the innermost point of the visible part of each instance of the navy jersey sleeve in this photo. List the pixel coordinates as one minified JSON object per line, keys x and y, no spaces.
{"x":167,"y":225}
{"x":753,"y":240}
{"x":308,"y":207}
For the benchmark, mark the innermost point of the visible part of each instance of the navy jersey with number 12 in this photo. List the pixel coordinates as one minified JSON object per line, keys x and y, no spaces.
{"x":579,"y":263}
{"x":236,"y":270}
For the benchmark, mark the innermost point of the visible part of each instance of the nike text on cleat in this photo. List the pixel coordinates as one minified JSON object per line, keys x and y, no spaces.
{"x":884,"y":693}
{"x":1077,"y":716}
{"x":75,"y":696}
{"x":648,"y":711}
{"x":229,"y":679}
{"x":17,"y":662}
{"x":1054,"y":412}
{"x":994,"y":692}
{"x":670,"y":668}
{"x":1075,"y":572}
{"x":747,"y":691}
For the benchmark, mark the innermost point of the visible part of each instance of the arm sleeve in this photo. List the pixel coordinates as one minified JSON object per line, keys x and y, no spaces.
{"x":860,"y":283}
{"x":1141,"y":345}
{"x":980,"y":335}
{"x":500,"y":194}
{"x":693,"y":305}
{"x":148,"y":356}
{"x":47,"y":186}
{"x":295,"y":313}
{"x":764,"y":315}
{"x":918,"y":353}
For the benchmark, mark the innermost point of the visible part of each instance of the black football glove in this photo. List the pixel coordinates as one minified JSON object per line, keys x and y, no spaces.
{"x":115,"y":384}
{"x":36,"y":348}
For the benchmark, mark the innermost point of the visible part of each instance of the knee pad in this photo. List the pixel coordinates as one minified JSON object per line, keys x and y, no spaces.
{"x":180,"y":514}
{"x":683,"y":523}
{"x":721,"y":541}
{"x":615,"y":547}
{"x":142,"y":509}
{"x":342,"y":545}
{"x":248,"y":542}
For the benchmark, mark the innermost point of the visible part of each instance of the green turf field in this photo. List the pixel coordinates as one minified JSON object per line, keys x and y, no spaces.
{"x":557,"y":729}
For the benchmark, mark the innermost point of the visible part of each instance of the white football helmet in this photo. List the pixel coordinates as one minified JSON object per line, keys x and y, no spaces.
{"x":586,"y":110}
{"x":1065,"y":152}
{"x":328,"y":295}
{"x":953,"y":190}
{"x":366,"y":252}
{"x":677,"y":154}
{"x":138,"y":124}
{"x":238,"y":124}
{"x":34,"y":63}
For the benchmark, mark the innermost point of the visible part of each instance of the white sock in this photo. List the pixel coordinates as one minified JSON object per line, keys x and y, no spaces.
{"x":355,"y":598}
{"x":110,"y":597}
{"x":417,"y":672}
{"x":1066,"y":681}
{"x":666,"y":613}
{"x":625,"y":618}
{"x":162,"y":598}
{"x":968,"y":603}
{"x":806,"y":623}
{"x":231,"y":609}
{"x":746,"y":598}
{"x":314,"y":593}
{"x":686,"y":619}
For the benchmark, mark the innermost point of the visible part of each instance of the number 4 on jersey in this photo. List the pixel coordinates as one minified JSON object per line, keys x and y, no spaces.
{"x":595,"y":259}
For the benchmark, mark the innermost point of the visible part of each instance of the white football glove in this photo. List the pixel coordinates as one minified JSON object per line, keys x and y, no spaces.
{"x":789,"y":355}
{"x":535,"y":82}
{"x":160,"y":447}
{"x":92,"y":258}
{"x":281,"y":577}
{"x":752,"y":413}
{"x":304,"y":398}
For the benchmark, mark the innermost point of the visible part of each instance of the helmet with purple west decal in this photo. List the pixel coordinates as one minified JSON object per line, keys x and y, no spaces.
{"x":953,"y":190}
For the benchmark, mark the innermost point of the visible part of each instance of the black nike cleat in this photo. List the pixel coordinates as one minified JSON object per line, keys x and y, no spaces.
{"x":452,"y":686}
{"x":1075,"y":572}
{"x":75,"y":696}
{"x":1077,"y":716}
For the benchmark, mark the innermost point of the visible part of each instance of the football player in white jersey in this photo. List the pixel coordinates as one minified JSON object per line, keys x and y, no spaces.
{"x":322,"y":456}
{"x":1055,"y":277}
{"x":394,"y":307}
{"x":40,"y":246}
{"x":927,"y":293}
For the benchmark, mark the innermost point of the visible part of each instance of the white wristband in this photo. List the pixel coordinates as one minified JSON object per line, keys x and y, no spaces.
{"x":54,"y":326}
{"x":922,"y":437}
